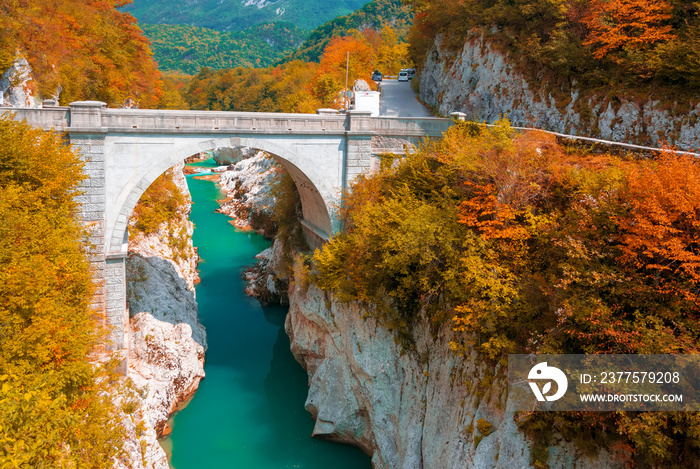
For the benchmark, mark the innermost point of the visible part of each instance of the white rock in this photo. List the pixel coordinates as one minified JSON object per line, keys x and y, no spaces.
{"x":408,"y":409}
{"x":17,"y":87}
{"x":249,"y":187}
{"x":482,"y":82}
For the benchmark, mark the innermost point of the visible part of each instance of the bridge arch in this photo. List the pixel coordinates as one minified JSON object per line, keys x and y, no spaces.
{"x":317,"y":206}
{"x":125,"y":150}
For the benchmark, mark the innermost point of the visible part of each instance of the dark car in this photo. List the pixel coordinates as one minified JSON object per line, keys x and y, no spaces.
{"x":376,"y":76}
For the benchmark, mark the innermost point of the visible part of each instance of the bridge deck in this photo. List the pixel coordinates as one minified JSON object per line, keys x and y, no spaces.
{"x":224,"y":122}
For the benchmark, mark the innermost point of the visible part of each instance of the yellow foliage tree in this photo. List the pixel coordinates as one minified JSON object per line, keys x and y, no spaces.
{"x":54,"y":410}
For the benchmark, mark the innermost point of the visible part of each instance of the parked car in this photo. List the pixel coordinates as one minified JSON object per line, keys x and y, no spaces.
{"x":411,"y":73}
{"x":376,"y":76}
{"x":403,"y":75}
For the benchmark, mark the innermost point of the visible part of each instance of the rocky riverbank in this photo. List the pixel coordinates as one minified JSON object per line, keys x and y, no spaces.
{"x":167,"y":342}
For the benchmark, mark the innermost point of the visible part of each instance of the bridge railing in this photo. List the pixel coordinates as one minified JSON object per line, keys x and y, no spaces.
{"x":96,"y":116}
{"x":47,"y":118}
{"x":203,"y":121}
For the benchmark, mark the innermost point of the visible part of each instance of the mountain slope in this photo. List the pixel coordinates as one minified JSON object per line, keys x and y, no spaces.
{"x":237,"y":15}
{"x":375,"y":14}
{"x":187,"y":49}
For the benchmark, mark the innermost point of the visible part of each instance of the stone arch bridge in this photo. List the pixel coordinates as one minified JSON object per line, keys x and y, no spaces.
{"x":125,"y":150}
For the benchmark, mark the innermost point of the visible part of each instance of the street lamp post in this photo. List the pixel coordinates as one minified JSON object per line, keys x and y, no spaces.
{"x":347,"y":67}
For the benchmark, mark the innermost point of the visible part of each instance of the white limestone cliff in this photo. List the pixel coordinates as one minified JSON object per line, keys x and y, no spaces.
{"x":167,"y":342}
{"x":407,"y":408}
{"x":17,"y":86}
{"x":484,"y":83}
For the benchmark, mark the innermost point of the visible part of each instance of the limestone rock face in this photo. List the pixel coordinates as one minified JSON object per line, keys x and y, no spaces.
{"x":17,"y":87}
{"x":232,"y":155}
{"x":408,"y":409}
{"x":166,"y":340}
{"x":483,"y":83}
{"x":249,"y":185}
{"x":266,"y":279}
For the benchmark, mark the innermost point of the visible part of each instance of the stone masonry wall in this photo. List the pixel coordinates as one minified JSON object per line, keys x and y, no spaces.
{"x":110,"y":295}
{"x":358,"y":157}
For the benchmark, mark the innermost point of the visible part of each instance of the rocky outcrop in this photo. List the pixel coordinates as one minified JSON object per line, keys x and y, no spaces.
{"x":266,"y":279}
{"x":167,"y":342}
{"x":249,"y":187}
{"x":423,"y":408}
{"x":484,"y":83}
{"x":17,"y":86}
{"x":232,"y":155}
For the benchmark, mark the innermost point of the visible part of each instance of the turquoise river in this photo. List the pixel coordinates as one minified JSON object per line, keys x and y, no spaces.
{"x":249,"y":410}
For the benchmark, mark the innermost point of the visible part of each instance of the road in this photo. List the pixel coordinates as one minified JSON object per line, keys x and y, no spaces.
{"x":399,"y":100}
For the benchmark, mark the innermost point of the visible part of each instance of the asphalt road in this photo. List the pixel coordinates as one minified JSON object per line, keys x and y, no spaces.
{"x":399,"y":100}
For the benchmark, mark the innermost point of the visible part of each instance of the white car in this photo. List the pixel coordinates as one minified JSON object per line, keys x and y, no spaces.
{"x":403,"y":75}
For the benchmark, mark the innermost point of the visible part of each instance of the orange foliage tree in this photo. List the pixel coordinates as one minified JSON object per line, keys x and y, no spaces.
{"x":331,"y":77}
{"x":85,"y":49}
{"x":661,"y":235}
{"x":626,"y":24}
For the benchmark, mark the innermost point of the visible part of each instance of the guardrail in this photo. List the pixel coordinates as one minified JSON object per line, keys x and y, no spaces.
{"x":410,"y":126}
{"x":460,"y":116}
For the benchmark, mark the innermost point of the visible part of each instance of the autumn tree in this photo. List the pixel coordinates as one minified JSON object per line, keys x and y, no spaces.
{"x":54,"y":407}
{"x":286,"y":88}
{"x":661,"y":232}
{"x":390,"y":54}
{"x":627,"y":24}
{"x":353,"y":51}
{"x":86,"y":49}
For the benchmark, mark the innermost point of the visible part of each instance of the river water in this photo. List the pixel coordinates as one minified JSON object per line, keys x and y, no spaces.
{"x":249,"y":410}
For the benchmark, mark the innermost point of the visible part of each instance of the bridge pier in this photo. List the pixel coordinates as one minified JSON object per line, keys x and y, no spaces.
{"x":358,"y":145}
{"x":109,"y":271}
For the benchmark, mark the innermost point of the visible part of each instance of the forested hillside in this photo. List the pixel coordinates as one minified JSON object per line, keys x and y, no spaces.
{"x":521,"y":245}
{"x":85,"y":49}
{"x":374,"y":15}
{"x":595,"y":44}
{"x":296,"y":86}
{"x":186,"y":49}
{"x":237,"y":15}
